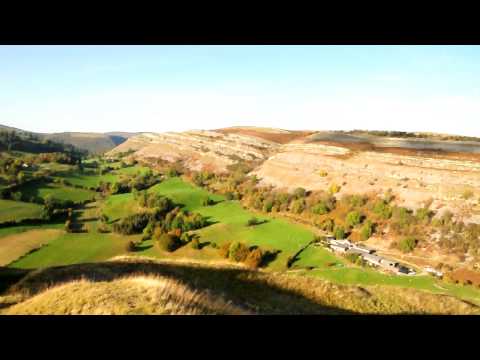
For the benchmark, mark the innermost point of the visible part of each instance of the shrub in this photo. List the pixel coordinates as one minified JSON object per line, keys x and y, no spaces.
{"x":225,"y":249}
{"x":327,"y":225}
{"x":130,"y":246}
{"x":353,"y":218}
{"x":323,"y":173}
{"x":334,"y":188}
{"x":104,"y":218}
{"x":298,"y":206}
{"x":68,"y":226}
{"x":253,"y":221}
{"x":238,"y":252}
{"x":133,"y":224}
{"x":148,"y":230}
{"x":424,"y":214}
{"x":354,"y":201}
{"x":353,"y":258}
{"x":366,"y":230}
{"x":407,"y":244}
{"x":195,"y":244}
{"x":467,"y":194}
{"x":103,"y":228}
{"x":339,"y":233}
{"x":254,"y":258}
{"x":17,"y":196}
{"x":320,"y":208}
{"x":382,"y":209}
{"x":268,"y":205}
{"x":214,"y":245}
{"x":167,"y":242}
{"x":207,"y":201}
{"x":299,"y":192}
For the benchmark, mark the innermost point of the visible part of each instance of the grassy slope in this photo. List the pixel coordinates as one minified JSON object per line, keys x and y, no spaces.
{"x":14,"y":246}
{"x":74,"y":248}
{"x":230,"y":222}
{"x":93,"y":180}
{"x":258,"y":292}
{"x":56,"y":190}
{"x":230,"y":219}
{"x":17,"y":210}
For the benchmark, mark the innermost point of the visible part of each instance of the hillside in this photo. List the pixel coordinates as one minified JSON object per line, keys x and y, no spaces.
{"x":93,"y":142}
{"x":415,"y":168}
{"x":201,"y":149}
{"x":135,"y":285}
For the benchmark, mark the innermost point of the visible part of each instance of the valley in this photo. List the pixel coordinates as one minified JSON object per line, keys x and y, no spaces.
{"x":254,"y":200}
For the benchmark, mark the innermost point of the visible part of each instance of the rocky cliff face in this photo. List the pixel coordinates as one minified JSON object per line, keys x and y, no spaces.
{"x":200,"y":148}
{"x":415,"y":172}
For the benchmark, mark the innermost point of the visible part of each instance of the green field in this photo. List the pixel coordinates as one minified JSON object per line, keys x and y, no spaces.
{"x":183,"y":193}
{"x":90,"y":179}
{"x":228,"y":224}
{"x":119,"y":206}
{"x":74,"y":248}
{"x":58,"y":191}
{"x":17,"y":210}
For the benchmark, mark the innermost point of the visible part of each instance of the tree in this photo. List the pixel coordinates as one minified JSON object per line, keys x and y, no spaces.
{"x":298,"y":206}
{"x":238,"y":251}
{"x":68,"y":226}
{"x":195,"y":244}
{"x":320,"y":208}
{"x":207,"y":201}
{"x":299,"y":193}
{"x":130,"y":246}
{"x":268,"y":205}
{"x":382,"y":209}
{"x":254,"y":258}
{"x":167,"y":242}
{"x":17,"y":196}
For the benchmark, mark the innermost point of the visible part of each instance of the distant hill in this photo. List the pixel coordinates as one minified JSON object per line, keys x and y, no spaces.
{"x":92,"y":142}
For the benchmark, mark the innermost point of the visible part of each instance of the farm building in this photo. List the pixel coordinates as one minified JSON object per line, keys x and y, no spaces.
{"x":339,"y":248}
{"x":431,"y":270}
{"x":372,"y":259}
{"x":358,"y":249}
{"x":388,"y":264}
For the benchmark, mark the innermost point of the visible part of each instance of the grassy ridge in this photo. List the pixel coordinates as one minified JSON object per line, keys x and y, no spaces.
{"x":88,"y":288}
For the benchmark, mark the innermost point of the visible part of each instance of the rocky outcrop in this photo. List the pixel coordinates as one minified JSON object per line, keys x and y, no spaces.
{"x":199,"y":148}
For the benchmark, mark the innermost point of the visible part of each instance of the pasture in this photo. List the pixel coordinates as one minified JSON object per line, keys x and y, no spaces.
{"x":37,"y":190}
{"x":14,"y":246}
{"x":75,"y":248}
{"x":17,"y":210}
{"x":229,"y":221}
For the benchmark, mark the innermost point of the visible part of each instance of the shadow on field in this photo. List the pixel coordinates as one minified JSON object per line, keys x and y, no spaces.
{"x":247,"y":289}
{"x":140,"y":248}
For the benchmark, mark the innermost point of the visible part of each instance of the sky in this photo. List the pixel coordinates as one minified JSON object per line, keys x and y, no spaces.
{"x":177,"y":88}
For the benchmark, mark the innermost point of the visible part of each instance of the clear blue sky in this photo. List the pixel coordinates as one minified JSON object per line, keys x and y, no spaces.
{"x":173,"y":88}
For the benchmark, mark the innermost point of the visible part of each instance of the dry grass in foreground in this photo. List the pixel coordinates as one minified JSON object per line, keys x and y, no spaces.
{"x":130,"y":295}
{"x":133,"y":285}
